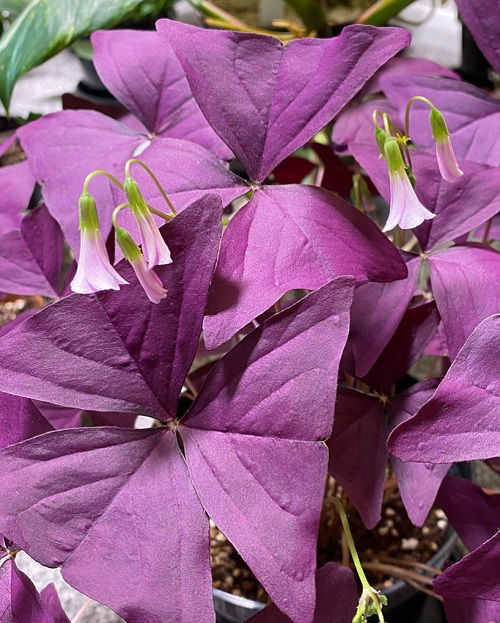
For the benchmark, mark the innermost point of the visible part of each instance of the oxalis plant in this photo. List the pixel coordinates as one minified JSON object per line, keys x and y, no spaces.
{"x":309,"y":314}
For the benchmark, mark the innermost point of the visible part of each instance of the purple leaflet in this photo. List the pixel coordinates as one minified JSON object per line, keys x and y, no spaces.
{"x":472,"y":117}
{"x":291,"y":237}
{"x":418,"y":482}
{"x":98,"y":490}
{"x":63,"y":417}
{"x":146,"y":77}
{"x":336,"y":599}
{"x":19,"y":420}
{"x":52,"y":604}
{"x":460,"y":422}
{"x":415,"y":331}
{"x":459,"y":207}
{"x":462,"y":280}
{"x":249,"y":429}
{"x":17,"y":184}
{"x":109,"y":476}
{"x":474,"y":514}
{"x":19,"y":601}
{"x":137,"y":354}
{"x":377,"y":310}
{"x":281,"y":95}
{"x":31,"y":255}
{"x":475,"y":576}
{"x":357,"y":451}
{"x":481,"y":18}
{"x":469,"y":610}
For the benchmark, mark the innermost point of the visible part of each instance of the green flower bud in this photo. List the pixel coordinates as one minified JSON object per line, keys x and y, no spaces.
{"x":392,"y":155}
{"x":129,"y":247}
{"x":135,"y":199}
{"x":380,"y":137}
{"x":438,"y":126}
{"x":89,"y":219}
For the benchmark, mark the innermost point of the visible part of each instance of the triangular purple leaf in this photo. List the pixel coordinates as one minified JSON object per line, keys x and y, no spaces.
{"x":480,"y":17}
{"x":357,"y":452}
{"x":17,"y":183}
{"x":116,"y":351}
{"x":281,"y":95}
{"x":469,"y":610}
{"x":462,"y":279}
{"x":19,"y":601}
{"x":460,"y":422}
{"x":19,"y":420}
{"x":291,"y":237}
{"x":336,"y":599}
{"x":418,"y":483}
{"x":146,"y":77}
{"x":249,"y":430}
{"x":474,"y":514}
{"x":52,"y":604}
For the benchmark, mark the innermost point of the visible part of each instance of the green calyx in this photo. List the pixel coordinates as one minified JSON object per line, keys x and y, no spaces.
{"x":380,"y":137}
{"x":438,"y":126}
{"x":87,"y":210}
{"x":129,"y":248}
{"x":135,"y":199}
{"x":392,"y":155}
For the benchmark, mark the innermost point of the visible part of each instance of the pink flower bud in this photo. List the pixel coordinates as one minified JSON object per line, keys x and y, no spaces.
{"x":447,"y":163}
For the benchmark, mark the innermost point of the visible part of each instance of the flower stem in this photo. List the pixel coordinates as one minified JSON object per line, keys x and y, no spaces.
{"x":350,"y":543}
{"x":116,"y":212}
{"x":112,"y":178}
{"x":415,"y":98}
{"x":155,"y":180}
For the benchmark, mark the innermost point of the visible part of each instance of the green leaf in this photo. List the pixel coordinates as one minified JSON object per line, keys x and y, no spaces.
{"x":311,"y":13}
{"x":382,"y":11}
{"x":45,"y":27}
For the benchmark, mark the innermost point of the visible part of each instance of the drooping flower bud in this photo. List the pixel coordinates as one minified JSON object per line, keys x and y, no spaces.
{"x":447,"y":163}
{"x":154,"y":247}
{"x":405,"y":208}
{"x":148,"y":279}
{"x":380,"y":137}
{"x":94,"y":272}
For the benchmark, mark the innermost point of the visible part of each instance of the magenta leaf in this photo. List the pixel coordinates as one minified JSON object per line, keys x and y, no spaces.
{"x":291,"y":237}
{"x":281,"y":95}
{"x":357,"y":452}
{"x":63,"y":148}
{"x":377,"y":310}
{"x":459,"y":207}
{"x":19,"y":601}
{"x":475,"y":576}
{"x":478,"y":16}
{"x":249,"y":430}
{"x":461,"y":280}
{"x":109,"y":478}
{"x":472,"y":512}
{"x":469,"y":610}
{"x":52,"y":604}
{"x":418,"y":483}
{"x":17,"y":183}
{"x":146,"y":77}
{"x":31,"y":256}
{"x":336,"y":599}
{"x":137,"y":354}
{"x":472,"y":117}
{"x":460,"y":422}
{"x":19,"y":420}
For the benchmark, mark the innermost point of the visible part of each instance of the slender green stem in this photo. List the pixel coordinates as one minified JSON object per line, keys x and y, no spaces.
{"x":112,"y":178}
{"x":415,"y":98}
{"x":163,"y":215}
{"x":487,"y":231}
{"x":153,"y":177}
{"x":375,"y":116}
{"x":386,"y":123}
{"x":116,"y":212}
{"x":350,"y":543}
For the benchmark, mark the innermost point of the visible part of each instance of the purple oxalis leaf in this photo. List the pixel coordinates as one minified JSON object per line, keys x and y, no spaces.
{"x":475,"y":576}
{"x":31,"y":256}
{"x":52,"y":604}
{"x":281,"y":95}
{"x":357,"y":452}
{"x":250,"y":429}
{"x":140,"y":364}
{"x":472,"y":117}
{"x":19,"y":419}
{"x":469,"y":610}
{"x":19,"y":600}
{"x":17,"y":183}
{"x":291,"y":237}
{"x":108,"y":477}
{"x":146,"y":77}
{"x":336,"y":599}
{"x":377,"y":310}
{"x":418,"y":483}
{"x":459,"y":207}
{"x":462,"y":279}
{"x":63,"y":148}
{"x":474,"y":514}
{"x":460,"y":422}
{"x":481,"y":18}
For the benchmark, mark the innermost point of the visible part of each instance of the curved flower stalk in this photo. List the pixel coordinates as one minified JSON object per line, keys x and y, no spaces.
{"x":94,"y":272}
{"x":406,"y":210}
{"x":148,"y":279}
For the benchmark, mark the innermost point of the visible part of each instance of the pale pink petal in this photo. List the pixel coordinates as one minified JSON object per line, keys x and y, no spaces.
{"x":154,"y":248}
{"x":149,"y":280}
{"x":447,"y":163}
{"x":405,"y":208}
